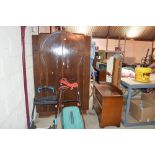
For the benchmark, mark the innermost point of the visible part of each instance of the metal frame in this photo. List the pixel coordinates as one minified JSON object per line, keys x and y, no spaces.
{"x":131,"y":88}
{"x":77,"y":100}
{"x":50,"y":100}
{"x":107,"y":38}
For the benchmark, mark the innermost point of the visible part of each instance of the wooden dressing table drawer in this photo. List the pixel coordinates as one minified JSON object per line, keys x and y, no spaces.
{"x":108,"y":102}
{"x":97,"y":106}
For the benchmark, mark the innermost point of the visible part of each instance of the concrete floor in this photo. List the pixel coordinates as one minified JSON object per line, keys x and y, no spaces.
{"x":91,"y":121}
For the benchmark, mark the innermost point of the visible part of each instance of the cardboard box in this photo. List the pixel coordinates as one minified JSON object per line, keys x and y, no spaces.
{"x":142,"y":111}
{"x":149,"y":98}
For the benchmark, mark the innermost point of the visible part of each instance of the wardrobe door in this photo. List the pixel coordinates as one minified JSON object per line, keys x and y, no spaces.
{"x":86,"y":73}
{"x":76,"y":51}
{"x":51,"y":51}
{"x":47,"y":51}
{"x":72,"y":57}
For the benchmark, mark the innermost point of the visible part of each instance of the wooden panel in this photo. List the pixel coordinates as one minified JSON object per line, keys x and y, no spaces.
{"x":116,"y":78}
{"x":101,"y":75}
{"x":73,"y":54}
{"x":112,"y":111}
{"x":62,"y":55}
{"x":46,"y":65}
{"x":86,"y":74}
{"x":108,"y":101}
{"x":97,"y":106}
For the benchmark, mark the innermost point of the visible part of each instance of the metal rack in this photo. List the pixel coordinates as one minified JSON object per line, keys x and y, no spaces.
{"x":132,"y":85}
{"x":119,"y":45}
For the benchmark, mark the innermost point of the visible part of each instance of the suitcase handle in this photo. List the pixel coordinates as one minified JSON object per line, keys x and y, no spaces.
{"x":72,"y":118}
{"x":45,"y":88}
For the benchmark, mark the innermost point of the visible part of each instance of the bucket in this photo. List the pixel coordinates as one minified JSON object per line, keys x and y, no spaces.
{"x":143,"y":74}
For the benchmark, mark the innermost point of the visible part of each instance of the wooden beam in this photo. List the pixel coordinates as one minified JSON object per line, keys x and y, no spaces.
{"x":124,"y":45}
{"x":119,"y":42}
{"x":152,"y":44}
{"x":96,"y":37}
{"x":108,"y":32}
{"x":107,"y":37}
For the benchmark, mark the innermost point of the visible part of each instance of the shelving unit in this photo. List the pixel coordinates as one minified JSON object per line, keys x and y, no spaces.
{"x":112,"y":52}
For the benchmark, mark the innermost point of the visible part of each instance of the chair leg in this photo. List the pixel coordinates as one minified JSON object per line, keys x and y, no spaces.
{"x":33,"y":126}
{"x":33,"y":112}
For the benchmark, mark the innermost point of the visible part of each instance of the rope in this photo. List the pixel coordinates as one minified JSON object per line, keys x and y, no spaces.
{"x":65,"y":84}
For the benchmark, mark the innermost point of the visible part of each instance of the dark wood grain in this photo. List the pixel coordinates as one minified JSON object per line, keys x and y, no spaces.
{"x":62,"y":55}
{"x":101,"y":75}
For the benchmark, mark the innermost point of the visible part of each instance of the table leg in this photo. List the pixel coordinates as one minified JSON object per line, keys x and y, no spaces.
{"x":127,"y":106}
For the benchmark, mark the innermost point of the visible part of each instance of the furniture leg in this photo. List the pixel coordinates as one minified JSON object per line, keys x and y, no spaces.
{"x":33,"y":112}
{"x":127,"y":106}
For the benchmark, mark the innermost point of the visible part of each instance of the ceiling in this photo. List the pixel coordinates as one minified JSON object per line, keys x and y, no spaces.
{"x":144,"y":33}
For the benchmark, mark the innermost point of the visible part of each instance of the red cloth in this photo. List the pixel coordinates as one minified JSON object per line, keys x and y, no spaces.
{"x":65,"y":84}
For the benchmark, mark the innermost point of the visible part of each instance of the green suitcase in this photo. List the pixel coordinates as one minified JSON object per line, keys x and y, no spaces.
{"x":71,"y":118}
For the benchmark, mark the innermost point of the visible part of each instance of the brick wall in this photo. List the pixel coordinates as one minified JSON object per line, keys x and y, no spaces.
{"x":12,"y":103}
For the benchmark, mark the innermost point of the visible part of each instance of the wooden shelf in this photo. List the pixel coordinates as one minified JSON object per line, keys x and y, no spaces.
{"x":113,"y":51}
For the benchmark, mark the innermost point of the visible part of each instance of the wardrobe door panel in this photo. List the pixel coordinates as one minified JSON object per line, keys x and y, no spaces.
{"x":73,"y":55}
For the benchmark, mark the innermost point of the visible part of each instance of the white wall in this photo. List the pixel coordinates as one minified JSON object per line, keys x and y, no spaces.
{"x":140,"y":48}
{"x":133,"y":48}
{"x":12,"y":103}
{"x":101,"y":43}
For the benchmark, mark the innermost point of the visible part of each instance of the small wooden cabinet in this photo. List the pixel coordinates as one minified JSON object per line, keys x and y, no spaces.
{"x":100,"y":69}
{"x":101,"y":75}
{"x":108,"y":102}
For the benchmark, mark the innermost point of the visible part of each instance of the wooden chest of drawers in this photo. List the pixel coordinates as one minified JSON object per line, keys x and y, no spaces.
{"x":101,"y":75}
{"x":107,"y":102}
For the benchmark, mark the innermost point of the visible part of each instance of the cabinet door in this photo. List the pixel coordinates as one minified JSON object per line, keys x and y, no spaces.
{"x":73,"y":56}
{"x":47,"y":51}
{"x":51,"y":51}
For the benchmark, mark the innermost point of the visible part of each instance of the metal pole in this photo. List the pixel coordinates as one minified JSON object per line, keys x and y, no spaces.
{"x":152,"y":44}
{"x":124,"y":45}
{"x":23,"y":28}
{"x":107,"y":38}
{"x":119,"y":42}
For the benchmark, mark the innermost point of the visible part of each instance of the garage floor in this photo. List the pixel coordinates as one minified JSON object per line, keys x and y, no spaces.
{"x":91,"y":121}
